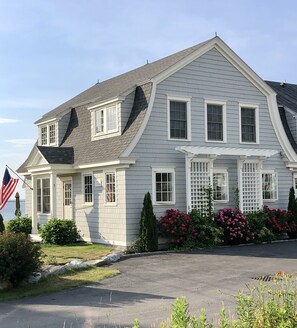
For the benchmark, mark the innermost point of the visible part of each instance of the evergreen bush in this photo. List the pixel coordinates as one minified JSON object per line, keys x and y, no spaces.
{"x":2,"y":226}
{"x":292,"y":205}
{"x":148,"y":234}
{"x":60,"y":232}
{"x":19,"y":257}
{"x":17,"y":225}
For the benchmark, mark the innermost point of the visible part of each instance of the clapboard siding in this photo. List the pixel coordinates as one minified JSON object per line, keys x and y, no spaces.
{"x":210,"y":77}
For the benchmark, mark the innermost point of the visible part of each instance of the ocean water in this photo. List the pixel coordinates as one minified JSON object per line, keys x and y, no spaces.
{"x":9,"y":209}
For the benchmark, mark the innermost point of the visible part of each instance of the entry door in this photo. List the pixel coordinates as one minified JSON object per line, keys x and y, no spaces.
{"x":67,"y":201}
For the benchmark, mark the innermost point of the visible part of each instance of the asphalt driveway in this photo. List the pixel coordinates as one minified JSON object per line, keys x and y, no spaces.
{"x":148,"y":285}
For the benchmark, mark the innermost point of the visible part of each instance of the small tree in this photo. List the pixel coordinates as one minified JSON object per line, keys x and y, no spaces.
{"x":148,"y":226}
{"x":292,"y":205}
{"x":2,"y":226}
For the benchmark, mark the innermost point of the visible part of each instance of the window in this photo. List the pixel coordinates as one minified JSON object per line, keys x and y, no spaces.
{"x":179,"y":118}
{"x":269,"y":186}
{"x":52,"y":134}
{"x":215,"y":122}
{"x":44,"y":135}
{"x":249,"y":123}
{"x":48,"y":135}
{"x":220,"y":185}
{"x":106,"y":120}
{"x":43,"y":196}
{"x":163,"y":186}
{"x":110,"y":187}
{"x":88,"y":188}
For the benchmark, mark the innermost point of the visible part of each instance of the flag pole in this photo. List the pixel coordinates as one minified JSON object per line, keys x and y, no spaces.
{"x":19,"y":177}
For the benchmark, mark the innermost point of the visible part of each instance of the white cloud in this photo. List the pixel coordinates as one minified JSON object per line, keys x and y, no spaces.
{"x":21,"y":142}
{"x":7,"y":120}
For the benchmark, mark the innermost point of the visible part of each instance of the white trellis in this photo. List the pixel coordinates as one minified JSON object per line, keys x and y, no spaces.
{"x":200,"y":180}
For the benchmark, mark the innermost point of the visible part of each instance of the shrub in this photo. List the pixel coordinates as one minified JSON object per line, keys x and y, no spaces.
{"x":61,"y":232}
{"x":2,"y":226}
{"x":178,"y":228}
{"x":292,"y":205}
{"x":148,"y":233}
{"x":235,"y":226}
{"x":278,"y":220}
{"x":19,"y":257}
{"x":258,"y":224}
{"x":209,"y":234}
{"x":23,"y":225}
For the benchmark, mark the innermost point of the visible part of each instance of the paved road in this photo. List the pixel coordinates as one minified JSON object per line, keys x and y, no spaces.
{"x":148,"y":285}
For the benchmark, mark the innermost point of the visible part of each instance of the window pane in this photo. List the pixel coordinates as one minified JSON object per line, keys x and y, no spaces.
{"x":248,"y":124}
{"x":88,"y":180}
{"x":99,"y":118}
{"x":52,"y":133}
{"x":111,"y":118}
{"x":110,"y":190}
{"x":215,"y":122}
{"x":178,"y":120}
{"x":44,"y":135}
{"x":164,"y":187}
{"x":269,"y":186}
{"x":38,"y":195}
{"x":220,"y":186}
{"x":46,"y":195}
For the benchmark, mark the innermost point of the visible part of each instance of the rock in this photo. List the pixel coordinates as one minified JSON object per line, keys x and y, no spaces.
{"x":112,"y":257}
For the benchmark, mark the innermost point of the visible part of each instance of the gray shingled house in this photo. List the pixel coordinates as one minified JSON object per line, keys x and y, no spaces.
{"x":170,"y":127}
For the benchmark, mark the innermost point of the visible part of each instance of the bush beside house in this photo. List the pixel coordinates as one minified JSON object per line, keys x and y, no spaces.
{"x":20,"y":225}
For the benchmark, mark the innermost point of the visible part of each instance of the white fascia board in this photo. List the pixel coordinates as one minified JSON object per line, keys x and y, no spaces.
{"x":51,"y":168}
{"x":122,"y":161}
{"x":228,"y":151}
{"x":106,"y":102}
{"x":47,"y":121}
{"x":279,"y":129}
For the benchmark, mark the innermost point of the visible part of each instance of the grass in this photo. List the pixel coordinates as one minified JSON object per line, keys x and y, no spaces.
{"x":71,"y":279}
{"x":54,"y":254}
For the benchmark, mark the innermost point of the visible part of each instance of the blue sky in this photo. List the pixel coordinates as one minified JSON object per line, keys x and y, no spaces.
{"x":52,"y":50}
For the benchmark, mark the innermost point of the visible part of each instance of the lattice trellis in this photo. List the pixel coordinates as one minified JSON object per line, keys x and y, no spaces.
{"x":250,"y":188}
{"x":200,"y":178}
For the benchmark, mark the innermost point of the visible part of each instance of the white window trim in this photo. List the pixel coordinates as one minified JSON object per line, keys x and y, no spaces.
{"x":105,"y":132}
{"x":224,"y":171}
{"x":111,"y":204}
{"x":47,"y":126}
{"x":43,"y":178}
{"x":276,"y":177}
{"x":220,"y":103}
{"x":163,"y":170}
{"x":256,"y":107}
{"x":187,"y":100}
{"x":83,"y":187}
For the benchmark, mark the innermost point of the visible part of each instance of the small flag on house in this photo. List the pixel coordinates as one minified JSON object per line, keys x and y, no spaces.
{"x":8,"y":187}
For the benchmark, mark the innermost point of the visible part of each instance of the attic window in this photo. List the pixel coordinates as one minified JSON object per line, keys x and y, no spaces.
{"x":48,"y":135}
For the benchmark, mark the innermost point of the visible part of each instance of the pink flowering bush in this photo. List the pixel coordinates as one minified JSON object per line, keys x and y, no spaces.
{"x":177,"y":227}
{"x":235,"y":226}
{"x":278,"y":220}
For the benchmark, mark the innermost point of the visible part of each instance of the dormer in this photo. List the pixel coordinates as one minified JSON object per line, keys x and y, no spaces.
{"x":48,"y":133}
{"x":106,"y":119}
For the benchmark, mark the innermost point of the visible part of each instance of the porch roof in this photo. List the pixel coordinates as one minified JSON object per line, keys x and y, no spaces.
{"x":197,"y":150}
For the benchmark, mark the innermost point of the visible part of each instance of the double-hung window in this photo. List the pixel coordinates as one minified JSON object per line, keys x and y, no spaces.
{"x":88,"y":188}
{"x":269,"y":186}
{"x":110,"y":188}
{"x":220,"y":185}
{"x":43,"y":195}
{"x":215,"y":121}
{"x":163,"y":186}
{"x":179,"y":118}
{"x":249,"y":124}
{"x":106,"y":120}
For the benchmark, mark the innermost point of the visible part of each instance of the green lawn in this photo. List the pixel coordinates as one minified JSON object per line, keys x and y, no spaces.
{"x":54,"y":254}
{"x":73,"y":278}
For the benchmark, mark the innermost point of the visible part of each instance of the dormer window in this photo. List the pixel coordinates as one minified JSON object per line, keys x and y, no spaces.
{"x":105,"y":120}
{"x":48,"y":135}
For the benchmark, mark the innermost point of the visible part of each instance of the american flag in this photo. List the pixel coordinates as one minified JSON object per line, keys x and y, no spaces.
{"x":8,"y":187}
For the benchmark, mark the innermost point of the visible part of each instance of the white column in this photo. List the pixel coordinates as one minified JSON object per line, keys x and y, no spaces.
{"x":188,"y":160}
{"x":239,"y":177}
{"x":53,"y":180}
{"x":34,"y":206}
